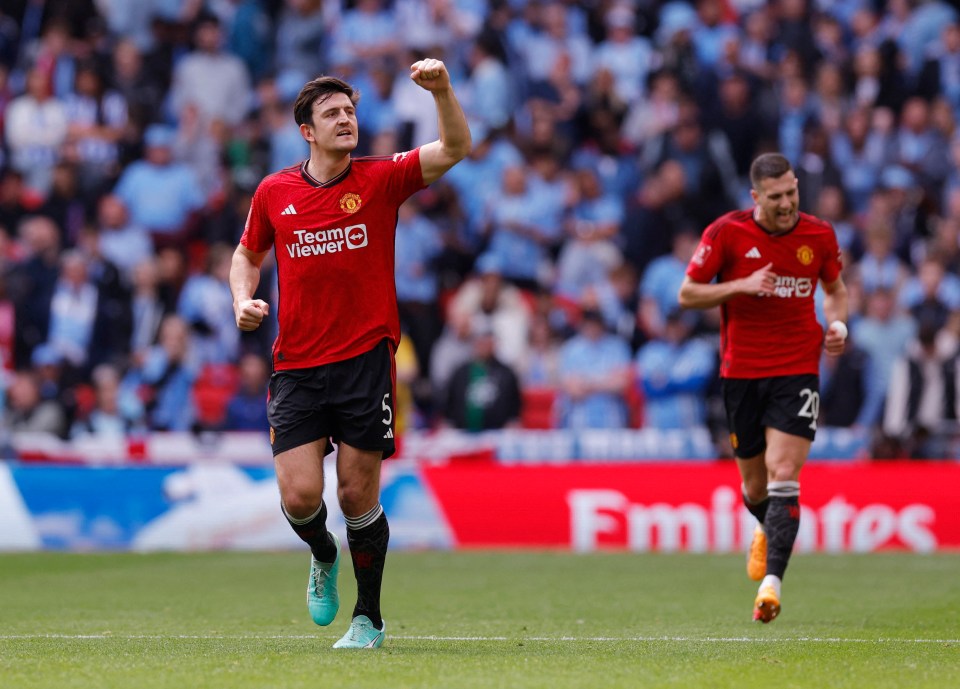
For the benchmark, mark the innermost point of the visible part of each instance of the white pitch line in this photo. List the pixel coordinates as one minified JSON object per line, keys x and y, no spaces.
{"x":569,"y":639}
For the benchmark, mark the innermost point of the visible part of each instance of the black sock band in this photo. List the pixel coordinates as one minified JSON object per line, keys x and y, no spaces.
{"x":368,"y":550}
{"x":313,"y":532}
{"x":757,"y":509}
{"x":781,"y":524}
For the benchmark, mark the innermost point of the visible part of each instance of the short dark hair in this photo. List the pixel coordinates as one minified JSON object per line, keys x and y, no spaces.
{"x":319,"y":90}
{"x":768,"y":166}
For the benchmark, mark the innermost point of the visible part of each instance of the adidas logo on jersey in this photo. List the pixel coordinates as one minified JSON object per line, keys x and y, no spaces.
{"x":753,"y":253}
{"x":289,"y":210}
{"x":389,"y":433}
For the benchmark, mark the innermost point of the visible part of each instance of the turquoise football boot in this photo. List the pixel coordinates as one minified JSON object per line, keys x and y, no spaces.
{"x":362,"y":634}
{"x":323,"y":601}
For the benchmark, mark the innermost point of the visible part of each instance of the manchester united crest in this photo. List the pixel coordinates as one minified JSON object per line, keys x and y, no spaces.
{"x":350,"y":202}
{"x":805,"y":255}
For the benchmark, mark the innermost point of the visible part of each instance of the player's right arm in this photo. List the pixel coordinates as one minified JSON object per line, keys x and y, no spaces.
{"x":454,"y":143}
{"x":706,"y":295}
{"x":244,"y":278}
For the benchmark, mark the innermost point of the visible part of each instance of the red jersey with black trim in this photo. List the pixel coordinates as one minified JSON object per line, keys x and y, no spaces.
{"x":334,"y":243}
{"x":775,"y":335}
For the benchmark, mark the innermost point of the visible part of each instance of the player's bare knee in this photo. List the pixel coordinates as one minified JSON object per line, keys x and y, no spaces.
{"x":301,"y":503}
{"x":755,"y":491}
{"x":784,"y":469}
{"x":356,"y":497}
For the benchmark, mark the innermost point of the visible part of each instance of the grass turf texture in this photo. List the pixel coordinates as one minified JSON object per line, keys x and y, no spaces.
{"x":479,"y":619}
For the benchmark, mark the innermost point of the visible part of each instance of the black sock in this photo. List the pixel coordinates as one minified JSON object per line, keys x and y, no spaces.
{"x":782,"y":524}
{"x":313,"y":532}
{"x":757,"y":509}
{"x":368,"y":537}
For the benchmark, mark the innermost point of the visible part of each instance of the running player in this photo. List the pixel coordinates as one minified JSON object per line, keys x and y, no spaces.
{"x":767,"y":262}
{"x":331,"y":221}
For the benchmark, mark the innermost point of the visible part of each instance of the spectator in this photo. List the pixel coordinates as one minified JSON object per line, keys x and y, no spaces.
{"x":922,"y":398}
{"x":627,"y":56}
{"x":418,"y":246}
{"x":107,"y":419}
{"x":519,"y":238}
{"x":215,"y":81}
{"x":163,"y":380}
{"x":97,"y":120}
{"x":247,"y":408}
{"x":452,"y":349}
{"x":594,"y":376}
{"x":661,"y":282}
{"x":845,"y":388}
{"x":121,"y":242}
{"x":932,"y":288}
{"x":366,"y":34}
{"x":859,"y":152}
{"x":883,"y":333}
{"x":162,"y":196}
{"x":247,"y":29}
{"x":303,"y":29}
{"x":920,"y":148}
{"x":674,"y":373}
{"x":540,"y":365}
{"x":488,"y":74}
{"x":66,"y":203}
{"x":709,"y":170}
{"x":206,"y":305}
{"x":879,"y":266}
{"x":477,"y":181}
{"x":28,"y":412}
{"x":739,"y":115}
{"x":553,"y":38}
{"x":592,"y":228}
{"x":483,"y":393}
{"x":147,"y":307}
{"x":653,"y":116}
{"x":30,"y":284}
{"x":488,"y":294}
{"x":73,"y":310}
{"x":141,"y":87}
{"x":36,"y":126}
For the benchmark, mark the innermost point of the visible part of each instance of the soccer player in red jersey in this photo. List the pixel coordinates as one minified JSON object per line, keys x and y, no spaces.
{"x":331,"y":221}
{"x":767,"y":262}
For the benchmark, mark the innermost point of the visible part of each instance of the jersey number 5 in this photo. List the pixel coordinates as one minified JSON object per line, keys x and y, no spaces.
{"x":388,"y":410}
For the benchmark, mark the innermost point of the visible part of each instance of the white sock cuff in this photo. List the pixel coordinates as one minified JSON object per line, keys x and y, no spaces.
{"x":299,"y":522}
{"x":364,"y":520}
{"x":784,"y":489}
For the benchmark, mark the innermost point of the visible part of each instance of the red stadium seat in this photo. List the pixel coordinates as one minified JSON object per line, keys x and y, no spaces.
{"x":537,"y":408}
{"x":212,"y":391}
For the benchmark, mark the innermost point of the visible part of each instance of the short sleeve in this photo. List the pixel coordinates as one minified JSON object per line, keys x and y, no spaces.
{"x":708,"y":257}
{"x":258,"y":233}
{"x":407,"y":178}
{"x":833,"y":259}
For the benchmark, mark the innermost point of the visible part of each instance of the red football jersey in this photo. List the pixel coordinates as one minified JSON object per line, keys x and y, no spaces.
{"x":334,"y":243}
{"x":776,"y":335}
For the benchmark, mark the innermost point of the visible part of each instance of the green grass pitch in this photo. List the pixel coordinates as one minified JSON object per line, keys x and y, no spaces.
{"x":479,"y":619}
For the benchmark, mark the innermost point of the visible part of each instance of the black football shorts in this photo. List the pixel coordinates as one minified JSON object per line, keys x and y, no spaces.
{"x":787,"y":403}
{"x":350,"y":401}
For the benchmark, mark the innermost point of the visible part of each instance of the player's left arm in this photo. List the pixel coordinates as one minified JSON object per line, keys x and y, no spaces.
{"x":835,"y":308}
{"x":454,"y":143}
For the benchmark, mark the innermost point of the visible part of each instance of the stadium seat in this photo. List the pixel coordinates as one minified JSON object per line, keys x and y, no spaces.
{"x":212,"y":390}
{"x":537,"y":408}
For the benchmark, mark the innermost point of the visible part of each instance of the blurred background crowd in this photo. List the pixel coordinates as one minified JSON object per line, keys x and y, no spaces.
{"x":537,"y":280}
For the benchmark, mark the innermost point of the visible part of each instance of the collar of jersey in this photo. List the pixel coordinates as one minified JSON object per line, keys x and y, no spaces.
{"x":314,"y":182}
{"x":763,"y":229}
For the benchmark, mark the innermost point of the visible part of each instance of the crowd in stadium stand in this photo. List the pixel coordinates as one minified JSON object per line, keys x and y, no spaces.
{"x":537,"y":281}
